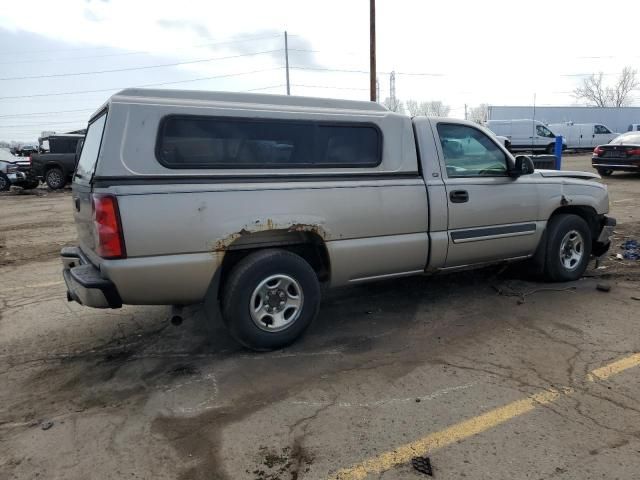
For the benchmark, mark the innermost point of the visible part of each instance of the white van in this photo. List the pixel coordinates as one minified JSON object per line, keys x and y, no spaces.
{"x":583,"y":135}
{"x":525,"y":134}
{"x":634,"y":127}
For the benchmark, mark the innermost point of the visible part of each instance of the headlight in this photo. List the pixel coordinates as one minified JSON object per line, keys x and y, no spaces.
{"x":12,"y":169}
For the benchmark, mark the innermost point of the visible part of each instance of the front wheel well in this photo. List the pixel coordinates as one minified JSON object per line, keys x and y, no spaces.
{"x":588,"y":214}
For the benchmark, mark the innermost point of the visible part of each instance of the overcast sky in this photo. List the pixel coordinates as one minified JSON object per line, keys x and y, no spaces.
{"x":496,"y":52}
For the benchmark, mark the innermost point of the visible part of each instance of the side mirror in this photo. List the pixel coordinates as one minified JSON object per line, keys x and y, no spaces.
{"x":524,"y":166}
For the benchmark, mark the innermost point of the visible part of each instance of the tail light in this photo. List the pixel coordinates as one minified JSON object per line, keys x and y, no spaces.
{"x":598,"y":151}
{"x":633,"y":152}
{"x":108,"y":227}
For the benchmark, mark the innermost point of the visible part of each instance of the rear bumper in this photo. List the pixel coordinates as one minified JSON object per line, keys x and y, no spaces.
{"x":84,"y":283}
{"x":615,"y":164}
{"x":603,"y":242}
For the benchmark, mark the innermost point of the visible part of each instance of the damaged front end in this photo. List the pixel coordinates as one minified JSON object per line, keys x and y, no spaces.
{"x":602,"y":243}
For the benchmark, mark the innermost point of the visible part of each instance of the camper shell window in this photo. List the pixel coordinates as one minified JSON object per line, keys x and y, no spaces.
{"x":187,"y":141}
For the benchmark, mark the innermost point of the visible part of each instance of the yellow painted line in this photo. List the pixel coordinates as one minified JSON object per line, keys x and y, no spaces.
{"x":615,"y":368}
{"x":468,"y":428}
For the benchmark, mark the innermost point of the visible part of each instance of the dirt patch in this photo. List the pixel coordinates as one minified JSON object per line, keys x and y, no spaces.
{"x":611,"y":266}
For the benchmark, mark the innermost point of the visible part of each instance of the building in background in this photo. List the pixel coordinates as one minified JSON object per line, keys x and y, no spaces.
{"x":617,"y":119}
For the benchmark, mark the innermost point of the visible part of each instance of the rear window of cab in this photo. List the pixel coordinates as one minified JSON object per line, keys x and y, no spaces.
{"x":231,"y":142}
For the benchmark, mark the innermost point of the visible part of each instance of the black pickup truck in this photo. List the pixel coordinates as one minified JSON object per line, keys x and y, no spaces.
{"x":56,"y":166}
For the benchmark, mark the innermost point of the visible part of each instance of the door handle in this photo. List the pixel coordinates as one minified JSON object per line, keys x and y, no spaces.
{"x":459,"y":196}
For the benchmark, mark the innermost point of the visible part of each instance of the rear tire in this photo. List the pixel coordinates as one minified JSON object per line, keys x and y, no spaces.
{"x":55,"y":179}
{"x":568,"y":248}
{"x":5,"y":183}
{"x":269,"y":299}
{"x":605,"y":172}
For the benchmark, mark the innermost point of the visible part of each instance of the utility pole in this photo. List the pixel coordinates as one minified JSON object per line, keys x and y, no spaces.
{"x":286,"y":60}
{"x":465,"y":111}
{"x":372,"y":49}
{"x":392,"y":89}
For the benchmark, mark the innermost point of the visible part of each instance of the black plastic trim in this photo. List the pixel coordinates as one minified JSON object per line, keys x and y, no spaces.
{"x":109,"y":181}
{"x":491,"y":231}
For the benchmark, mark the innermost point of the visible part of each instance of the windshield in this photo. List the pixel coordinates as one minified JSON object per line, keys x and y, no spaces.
{"x":90,"y":150}
{"x":626,"y":138}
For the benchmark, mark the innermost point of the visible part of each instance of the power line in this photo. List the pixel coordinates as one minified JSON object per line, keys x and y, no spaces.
{"x":328,"y":86}
{"x":34,"y":114}
{"x":346,"y":70}
{"x":139,"y":52}
{"x":264,"y":88}
{"x":43,"y":125}
{"x":239,"y":40}
{"x":140,"y":86}
{"x":128,"y":69}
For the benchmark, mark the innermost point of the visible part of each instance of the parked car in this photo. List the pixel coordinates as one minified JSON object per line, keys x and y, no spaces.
{"x":15,"y":171}
{"x":25,"y":150}
{"x":525,"y":135}
{"x":583,"y":135}
{"x":56,"y":167}
{"x":622,"y":154}
{"x":634,"y":127}
{"x":251,"y":202}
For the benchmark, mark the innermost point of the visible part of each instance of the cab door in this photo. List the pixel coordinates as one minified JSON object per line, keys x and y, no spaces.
{"x":491,"y":215}
{"x":601,"y":135}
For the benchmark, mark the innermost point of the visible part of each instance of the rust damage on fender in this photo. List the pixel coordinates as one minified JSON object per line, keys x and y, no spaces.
{"x":268,"y":226}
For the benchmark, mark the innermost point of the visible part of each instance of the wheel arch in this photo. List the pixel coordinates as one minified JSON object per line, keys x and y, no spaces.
{"x":305,"y":241}
{"x":587,"y":213}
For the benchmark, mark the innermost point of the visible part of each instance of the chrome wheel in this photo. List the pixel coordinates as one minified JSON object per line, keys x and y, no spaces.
{"x":571,"y":250}
{"x":276,"y":303}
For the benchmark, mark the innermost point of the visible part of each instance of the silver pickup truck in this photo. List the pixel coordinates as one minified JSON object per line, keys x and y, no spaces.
{"x":251,"y":202}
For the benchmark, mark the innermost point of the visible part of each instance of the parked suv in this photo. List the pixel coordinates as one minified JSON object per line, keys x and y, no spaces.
{"x":251,"y":202}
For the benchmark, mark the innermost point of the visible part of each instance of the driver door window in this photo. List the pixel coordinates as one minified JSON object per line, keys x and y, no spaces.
{"x":468,"y":152}
{"x":543,"y":131}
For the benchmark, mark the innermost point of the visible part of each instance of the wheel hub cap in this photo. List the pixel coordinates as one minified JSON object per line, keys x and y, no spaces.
{"x":276,"y":303}
{"x":571,"y":250}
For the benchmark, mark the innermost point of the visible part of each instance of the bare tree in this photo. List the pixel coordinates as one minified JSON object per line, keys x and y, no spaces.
{"x":479,"y":114}
{"x":393,"y":104}
{"x":433,"y":108}
{"x":627,"y":83}
{"x":594,"y":92}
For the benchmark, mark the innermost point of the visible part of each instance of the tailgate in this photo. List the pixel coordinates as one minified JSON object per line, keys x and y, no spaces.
{"x":82,"y":183}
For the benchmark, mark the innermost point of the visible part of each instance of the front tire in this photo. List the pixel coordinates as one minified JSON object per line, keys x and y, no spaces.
{"x":5,"y":183}
{"x":568,"y":248}
{"x":551,"y":148}
{"x":605,"y":172}
{"x":55,"y":179}
{"x":270,"y":298}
